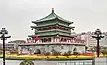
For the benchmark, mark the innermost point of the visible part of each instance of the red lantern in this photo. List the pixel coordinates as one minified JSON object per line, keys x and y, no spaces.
{"x":35,"y":38}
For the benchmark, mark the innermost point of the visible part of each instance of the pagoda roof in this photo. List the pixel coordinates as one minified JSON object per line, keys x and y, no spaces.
{"x":51,"y":16}
{"x":17,"y":41}
{"x":54,"y":34}
{"x":57,"y":30}
{"x":51,"y":25}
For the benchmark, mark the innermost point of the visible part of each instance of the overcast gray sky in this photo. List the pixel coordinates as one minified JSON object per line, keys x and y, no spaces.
{"x":16,"y":15}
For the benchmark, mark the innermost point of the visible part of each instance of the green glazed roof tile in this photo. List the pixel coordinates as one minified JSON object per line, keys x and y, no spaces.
{"x":50,"y":24}
{"x":49,"y":35}
{"x":56,"y":30}
{"x":52,"y":33}
{"x":51,"y":17}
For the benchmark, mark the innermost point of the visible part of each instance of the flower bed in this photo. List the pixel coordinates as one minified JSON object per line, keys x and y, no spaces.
{"x":34,"y":57}
{"x":39,"y":57}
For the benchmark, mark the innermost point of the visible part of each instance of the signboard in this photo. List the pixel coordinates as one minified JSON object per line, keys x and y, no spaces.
{"x":56,"y":40}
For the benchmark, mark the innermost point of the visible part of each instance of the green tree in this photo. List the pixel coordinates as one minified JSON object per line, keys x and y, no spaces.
{"x":67,"y":54}
{"x":47,"y":54}
{"x":76,"y":54}
{"x":55,"y":53}
{"x":104,"y":52}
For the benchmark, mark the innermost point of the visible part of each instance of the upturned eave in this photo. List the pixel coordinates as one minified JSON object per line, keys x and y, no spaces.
{"x":52,"y":35}
{"x":52,"y":25}
{"x":52,"y":16}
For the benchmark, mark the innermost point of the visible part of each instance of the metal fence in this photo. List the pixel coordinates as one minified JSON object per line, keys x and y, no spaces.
{"x":75,"y":63}
{"x":96,"y":61}
{"x":100,"y":61}
{"x":82,"y":63}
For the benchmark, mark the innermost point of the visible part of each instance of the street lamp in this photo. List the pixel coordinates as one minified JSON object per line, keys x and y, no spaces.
{"x":3,"y":37}
{"x":98,"y":36}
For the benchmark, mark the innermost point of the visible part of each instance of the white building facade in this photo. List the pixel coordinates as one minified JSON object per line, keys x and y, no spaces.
{"x":91,"y":42}
{"x":62,"y":47}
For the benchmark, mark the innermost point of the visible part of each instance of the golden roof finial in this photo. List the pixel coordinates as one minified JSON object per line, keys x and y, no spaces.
{"x":52,"y":10}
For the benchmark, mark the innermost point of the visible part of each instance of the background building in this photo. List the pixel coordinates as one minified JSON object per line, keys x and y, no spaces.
{"x":12,"y":46}
{"x":91,"y":42}
{"x":16,"y":43}
{"x":7,"y":46}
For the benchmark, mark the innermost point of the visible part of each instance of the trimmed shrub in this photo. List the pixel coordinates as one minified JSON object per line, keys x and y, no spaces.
{"x":27,"y":62}
{"x":47,"y":53}
{"x":104,"y":52}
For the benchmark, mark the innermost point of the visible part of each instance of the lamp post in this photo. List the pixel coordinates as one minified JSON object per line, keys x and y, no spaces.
{"x":3,"y":37}
{"x":98,"y":36}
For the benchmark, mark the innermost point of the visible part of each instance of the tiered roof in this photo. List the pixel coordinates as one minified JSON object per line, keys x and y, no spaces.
{"x":51,"y":25}
{"x":53,"y":18}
